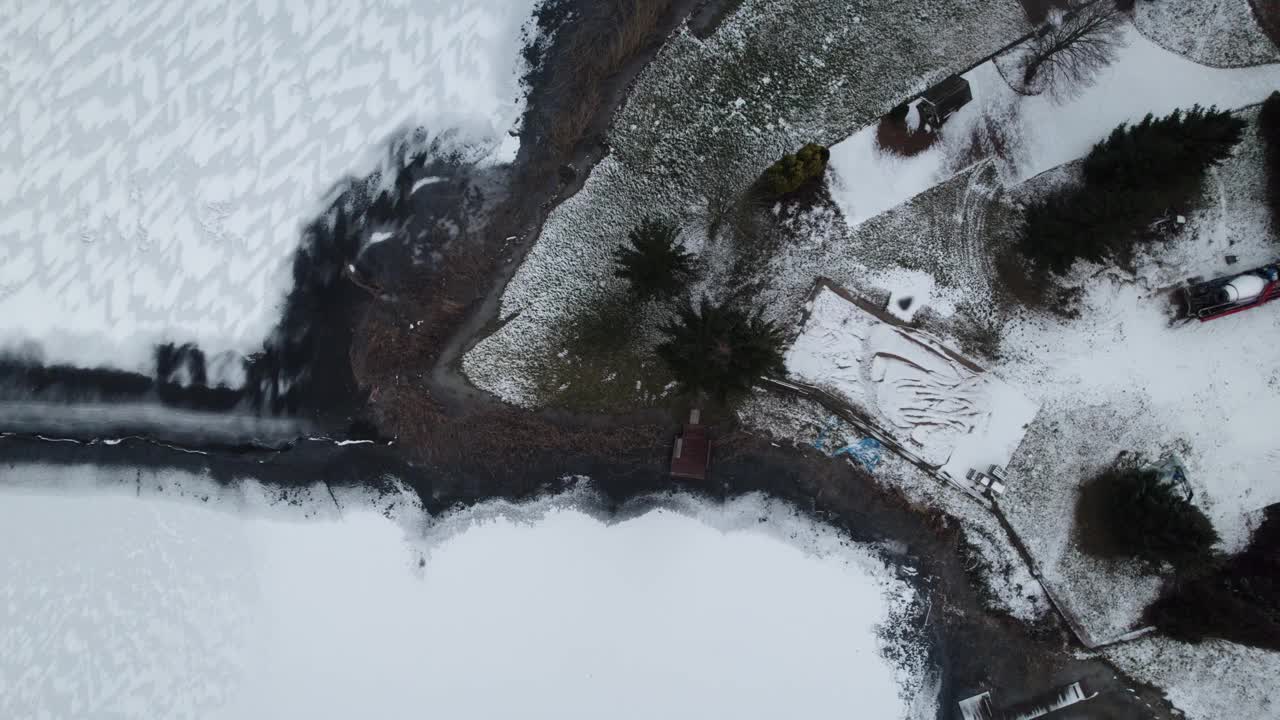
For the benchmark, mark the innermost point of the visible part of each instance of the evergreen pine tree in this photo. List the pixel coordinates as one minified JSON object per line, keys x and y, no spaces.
{"x":1151,"y":520}
{"x":1137,"y":173}
{"x":1164,"y":151}
{"x":655,"y":263}
{"x":720,"y":350}
{"x":1240,"y":602}
{"x":1269,"y":129}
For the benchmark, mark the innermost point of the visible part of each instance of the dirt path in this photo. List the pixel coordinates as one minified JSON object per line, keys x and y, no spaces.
{"x":533,"y":197}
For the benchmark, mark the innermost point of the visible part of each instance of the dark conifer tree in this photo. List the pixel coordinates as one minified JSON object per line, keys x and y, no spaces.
{"x":1150,"y":519}
{"x":655,"y":263}
{"x":1240,"y":602}
{"x":1136,"y":174}
{"x":1167,"y":150}
{"x":1269,"y":129}
{"x":720,"y":350}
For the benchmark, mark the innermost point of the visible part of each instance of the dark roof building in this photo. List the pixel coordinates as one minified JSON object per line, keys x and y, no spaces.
{"x":942,"y":100}
{"x":692,"y":452}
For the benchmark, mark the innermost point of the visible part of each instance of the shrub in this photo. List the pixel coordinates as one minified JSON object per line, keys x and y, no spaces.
{"x":1240,"y":603}
{"x":794,"y":172}
{"x":1269,"y":129}
{"x":1131,"y":177}
{"x":720,"y":350}
{"x":1135,"y":513}
{"x":655,"y":263}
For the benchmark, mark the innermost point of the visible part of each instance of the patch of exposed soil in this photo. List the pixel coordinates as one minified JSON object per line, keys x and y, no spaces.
{"x":1267,"y":13}
{"x":893,"y":136}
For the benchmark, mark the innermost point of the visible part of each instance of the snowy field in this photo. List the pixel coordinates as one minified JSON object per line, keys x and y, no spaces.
{"x":1120,"y":378}
{"x":158,"y":160}
{"x":1222,"y":33}
{"x":942,"y":408}
{"x":1116,"y":378}
{"x":1038,"y":133}
{"x":1214,"y":680}
{"x":1006,"y":581}
{"x":268,"y":604}
{"x":702,"y":121}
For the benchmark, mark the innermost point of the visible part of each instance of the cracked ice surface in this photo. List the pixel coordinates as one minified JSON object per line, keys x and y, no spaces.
{"x":158,"y":159}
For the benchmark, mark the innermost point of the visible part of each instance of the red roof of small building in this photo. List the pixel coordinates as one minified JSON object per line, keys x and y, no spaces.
{"x":691,"y":454}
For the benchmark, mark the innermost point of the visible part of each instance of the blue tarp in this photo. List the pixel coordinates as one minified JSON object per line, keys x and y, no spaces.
{"x":867,"y":451}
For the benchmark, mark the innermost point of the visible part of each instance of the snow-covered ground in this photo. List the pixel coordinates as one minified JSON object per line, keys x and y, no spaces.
{"x":703,"y":120}
{"x":1214,"y":680}
{"x":1120,"y":378}
{"x":1211,"y":384}
{"x":1116,"y":378}
{"x":943,"y":409}
{"x":1008,"y":583}
{"x":158,"y":160}
{"x":122,"y":601}
{"x":1038,"y":133}
{"x":1222,"y":33}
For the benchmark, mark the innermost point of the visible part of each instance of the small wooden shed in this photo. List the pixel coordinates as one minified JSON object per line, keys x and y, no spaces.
{"x":942,"y":100}
{"x":691,"y":455}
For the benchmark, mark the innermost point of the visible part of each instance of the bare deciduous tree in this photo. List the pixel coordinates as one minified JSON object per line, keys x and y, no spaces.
{"x":1066,"y":54}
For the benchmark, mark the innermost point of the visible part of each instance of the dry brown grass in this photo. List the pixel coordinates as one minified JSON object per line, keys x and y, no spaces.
{"x":1267,"y":12}
{"x":397,"y":342}
{"x":594,"y":58}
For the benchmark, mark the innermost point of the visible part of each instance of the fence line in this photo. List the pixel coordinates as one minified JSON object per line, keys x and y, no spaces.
{"x":854,"y":417}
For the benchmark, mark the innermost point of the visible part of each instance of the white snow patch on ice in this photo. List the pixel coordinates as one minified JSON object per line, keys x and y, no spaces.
{"x":158,"y":160}
{"x":143,"y":607}
{"x":425,"y":181}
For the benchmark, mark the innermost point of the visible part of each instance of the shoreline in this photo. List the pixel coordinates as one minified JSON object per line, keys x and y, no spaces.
{"x":971,"y":648}
{"x":475,"y":449}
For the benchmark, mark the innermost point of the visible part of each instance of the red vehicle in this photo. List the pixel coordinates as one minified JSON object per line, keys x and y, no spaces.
{"x":1225,"y":296}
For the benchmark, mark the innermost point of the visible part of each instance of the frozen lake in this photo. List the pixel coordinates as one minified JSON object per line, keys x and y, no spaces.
{"x":143,"y":607}
{"x":158,"y":160}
